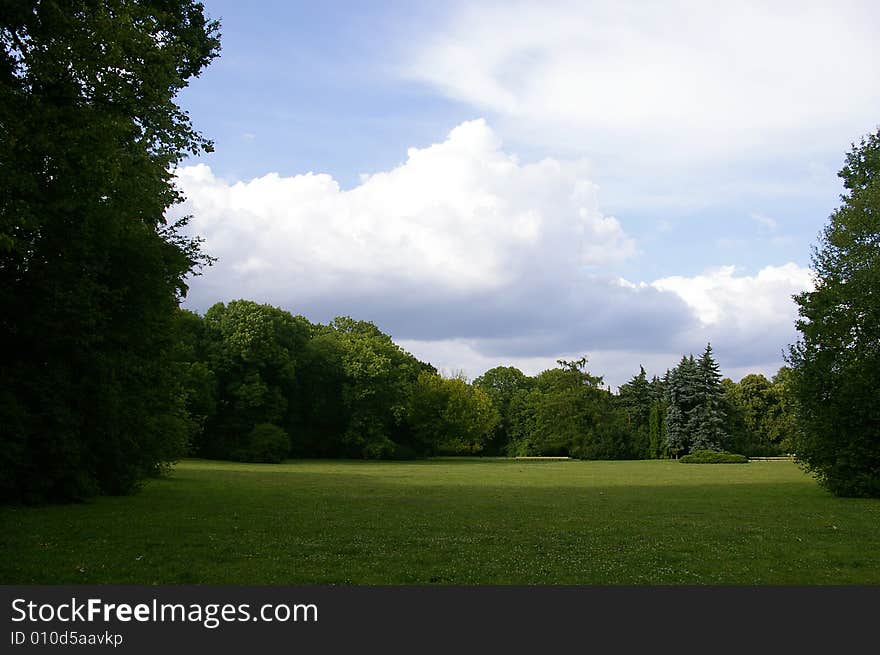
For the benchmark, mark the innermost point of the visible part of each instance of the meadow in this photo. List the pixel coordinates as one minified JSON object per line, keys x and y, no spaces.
{"x":453,"y":521}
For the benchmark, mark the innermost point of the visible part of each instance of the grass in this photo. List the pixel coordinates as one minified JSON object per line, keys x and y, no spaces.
{"x":456,"y":521}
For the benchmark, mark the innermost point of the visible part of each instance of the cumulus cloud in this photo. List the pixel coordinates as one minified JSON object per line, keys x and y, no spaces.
{"x":661,"y":81}
{"x":750,"y":317}
{"x":470,"y":258}
{"x":718,"y":297}
{"x":461,"y":216}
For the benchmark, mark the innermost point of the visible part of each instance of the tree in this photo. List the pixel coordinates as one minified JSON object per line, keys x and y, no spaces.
{"x":707,"y":417}
{"x":758,"y":418}
{"x":782,"y":422}
{"x":657,"y":420}
{"x":679,"y":403}
{"x":448,"y":415}
{"x":695,"y":405}
{"x":569,"y":413}
{"x":501,"y":384}
{"x":637,"y":400}
{"x":253,"y":352}
{"x":91,"y":272}
{"x":378,"y":378}
{"x":835,"y":364}
{"x":193,"y":374}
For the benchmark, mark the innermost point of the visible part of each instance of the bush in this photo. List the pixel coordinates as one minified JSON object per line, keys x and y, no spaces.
{"x":713,"y":457}
{"x":266,"y":443}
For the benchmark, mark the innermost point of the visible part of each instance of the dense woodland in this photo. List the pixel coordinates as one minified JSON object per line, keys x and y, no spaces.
{"x":260,"y":384}
{"x":106,"y":381}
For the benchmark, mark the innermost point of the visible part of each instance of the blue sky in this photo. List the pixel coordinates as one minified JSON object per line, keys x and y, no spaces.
{"x":517,"y":182}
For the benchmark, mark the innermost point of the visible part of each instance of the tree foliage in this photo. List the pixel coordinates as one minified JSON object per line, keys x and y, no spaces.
{"x":502,"y":384}
{"x":252,"y":352}
{"x":835,"y":365}
{"x":695,"y":416}
{"x":567,"y":412}
{"x":447,"y":415}
{"x":90,"y":271}
{"x":760,"y":420}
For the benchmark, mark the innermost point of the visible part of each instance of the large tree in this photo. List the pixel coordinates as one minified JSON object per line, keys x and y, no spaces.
{"x":708,"y":420}
{"x":502,"y":383}
{"x":637,"y":400}
{"x":91,"y":272}
{"x":836,"y":362}
{"x":448,"y":415}
{"x":253,"y":352}
{"x":695,"y":417}
{"x":378,"y":379}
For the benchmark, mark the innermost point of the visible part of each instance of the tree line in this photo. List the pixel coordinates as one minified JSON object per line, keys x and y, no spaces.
{"x":260,"y":384}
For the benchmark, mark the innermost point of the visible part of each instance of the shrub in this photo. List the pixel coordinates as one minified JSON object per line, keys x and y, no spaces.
{"x":266,"y":443}
{"x":713,"y":457}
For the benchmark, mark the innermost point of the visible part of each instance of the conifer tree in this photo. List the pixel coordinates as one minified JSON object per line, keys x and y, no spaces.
{"x":694,"y":405}
{"x":707,"y":421}
{"x":657,"y":420}
{"x":676,"y":421}
{"x":635,"y":396}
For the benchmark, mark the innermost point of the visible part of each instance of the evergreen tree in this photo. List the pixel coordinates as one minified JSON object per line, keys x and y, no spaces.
{"x":657,"y":420}
{"x":636,"y":399}
{"x":707,"y":419}
{"x":676,"y":419}
{"x":695,"y":418}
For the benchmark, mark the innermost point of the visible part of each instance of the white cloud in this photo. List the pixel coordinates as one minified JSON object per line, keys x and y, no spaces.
{"x":471,"y":259}
{"x":664,"y":81}
{"x":720,"y":298}
{"x":748,"y":318}
{"x":458,"y":217}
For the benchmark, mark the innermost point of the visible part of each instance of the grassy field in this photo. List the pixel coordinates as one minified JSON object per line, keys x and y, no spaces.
{"x":466,"y":521}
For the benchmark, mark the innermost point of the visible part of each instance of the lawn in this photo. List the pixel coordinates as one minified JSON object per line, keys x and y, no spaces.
{"x":465,"y":521}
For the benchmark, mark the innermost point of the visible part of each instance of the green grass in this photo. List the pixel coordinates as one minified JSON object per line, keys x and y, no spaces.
{"x":466,"y":521}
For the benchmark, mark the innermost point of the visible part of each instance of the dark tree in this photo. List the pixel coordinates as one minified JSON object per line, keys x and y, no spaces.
{"x":694,"y":397}
{"x":502,"y":383}
{"x":835,"y":375}
{"x":637,"y":401}
{"x":253,"y":352}
{"x":90,"y":271}
{"x":707,"y":422}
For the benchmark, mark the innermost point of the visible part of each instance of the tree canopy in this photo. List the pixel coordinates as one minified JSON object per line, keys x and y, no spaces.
{"x":836,"y":363}
{"x":90,"y":270}
{"x":695,"y":415}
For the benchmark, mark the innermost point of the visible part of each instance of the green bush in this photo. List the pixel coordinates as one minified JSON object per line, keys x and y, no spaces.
{"x":266,"y":443}
{"x":713,"y":457}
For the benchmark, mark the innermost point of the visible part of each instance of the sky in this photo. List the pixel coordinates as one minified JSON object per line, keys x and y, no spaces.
{"x":513,"y":183}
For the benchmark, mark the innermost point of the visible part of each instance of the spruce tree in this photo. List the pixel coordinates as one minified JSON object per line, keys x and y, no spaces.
{"x":707,"y":422}
{"x":657,"y":420}
{"x":676,"y":420}
{"x":635,"y":396}
{"x":694,"y":405}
